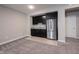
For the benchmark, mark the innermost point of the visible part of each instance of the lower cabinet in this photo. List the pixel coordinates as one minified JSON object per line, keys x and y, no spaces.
{"x":39,"y":32}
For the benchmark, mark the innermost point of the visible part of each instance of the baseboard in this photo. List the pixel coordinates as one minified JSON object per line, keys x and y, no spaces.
{"x":14,"y":39}
{"x":61,"y":41}
{"x":77,"y":38}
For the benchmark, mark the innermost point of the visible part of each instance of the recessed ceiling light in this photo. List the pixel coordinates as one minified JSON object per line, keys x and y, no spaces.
{"x":31,"y":7}
{"x":44,"y":17}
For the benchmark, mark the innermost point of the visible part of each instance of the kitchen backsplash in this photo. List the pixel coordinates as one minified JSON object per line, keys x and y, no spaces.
{"x":39,"y":26}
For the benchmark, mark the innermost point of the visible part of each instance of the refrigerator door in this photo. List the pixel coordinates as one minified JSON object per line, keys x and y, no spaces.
{"x":51,"y":31}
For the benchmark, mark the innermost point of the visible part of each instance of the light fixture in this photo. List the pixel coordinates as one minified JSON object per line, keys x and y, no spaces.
{"x":31,"y":7}
{"x":44,"y":17}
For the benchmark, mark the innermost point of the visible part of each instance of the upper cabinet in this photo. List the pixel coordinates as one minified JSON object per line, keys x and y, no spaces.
{"x":42,"y":18}
{"x":38,"y":19}
{"x":52,"y":15}
{"x":39,"y":22}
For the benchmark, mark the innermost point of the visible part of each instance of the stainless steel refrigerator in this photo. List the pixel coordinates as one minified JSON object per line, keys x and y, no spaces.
{"x":51,"y":28}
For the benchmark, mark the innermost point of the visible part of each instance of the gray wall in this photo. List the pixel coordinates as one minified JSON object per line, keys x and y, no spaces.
{"x":13,"y":25}
{"x":77,"y":26}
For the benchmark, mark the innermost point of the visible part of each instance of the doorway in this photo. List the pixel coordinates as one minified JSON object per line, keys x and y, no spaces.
{"x":72,"y":25}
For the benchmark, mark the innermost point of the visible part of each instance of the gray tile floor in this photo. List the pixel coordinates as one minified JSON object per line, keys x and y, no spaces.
{"x":25,"y":46}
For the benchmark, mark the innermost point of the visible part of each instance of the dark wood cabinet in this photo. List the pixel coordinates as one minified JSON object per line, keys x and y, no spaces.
{"x":39,"y":32}
{"x":43,"y":20}
{"x":38,"y":19}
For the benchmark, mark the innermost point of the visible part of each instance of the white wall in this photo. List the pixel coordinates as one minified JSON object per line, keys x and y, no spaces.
{"x":61,"y":25}
{"x":13,"y":25}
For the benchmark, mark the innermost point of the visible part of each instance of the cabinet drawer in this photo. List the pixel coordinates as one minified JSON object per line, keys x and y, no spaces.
{"x":38,"y":32}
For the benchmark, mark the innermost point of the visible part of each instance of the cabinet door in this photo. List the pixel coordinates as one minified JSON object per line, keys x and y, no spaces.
{"x":43,"y":33}
{"x":38,"y":33}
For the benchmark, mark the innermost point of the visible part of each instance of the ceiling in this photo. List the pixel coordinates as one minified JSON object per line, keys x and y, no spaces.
{"x":23,"y":7}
